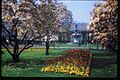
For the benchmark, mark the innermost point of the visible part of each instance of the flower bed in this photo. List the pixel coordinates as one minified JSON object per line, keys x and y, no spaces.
{"x":66,"y":68}
{"x":78,"y":59}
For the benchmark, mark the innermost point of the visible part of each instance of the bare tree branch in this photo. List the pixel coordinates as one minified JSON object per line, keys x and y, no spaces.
{"x":6,"y":47}
{"x":25,"y":47}
{"x":24,"y":35}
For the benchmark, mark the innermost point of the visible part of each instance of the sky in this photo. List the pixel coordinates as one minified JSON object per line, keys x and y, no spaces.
{"x":80,"y":9}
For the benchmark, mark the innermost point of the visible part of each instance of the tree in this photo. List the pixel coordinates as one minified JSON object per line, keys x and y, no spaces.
{"x":19,"y":18}
{"x":65,"y":19}
{"x":47,"y":21}
{"x":103,"y":24}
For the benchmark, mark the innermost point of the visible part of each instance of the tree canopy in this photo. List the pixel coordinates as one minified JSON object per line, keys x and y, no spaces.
{"x":103,"y":24}
{"x":29,"y":21}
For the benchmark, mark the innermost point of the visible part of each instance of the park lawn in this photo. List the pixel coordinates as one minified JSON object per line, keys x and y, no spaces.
{"x":104,"y":64}
{"x":34,"y":72}
{"x":35,"y":54}
{"x":108,"y":72}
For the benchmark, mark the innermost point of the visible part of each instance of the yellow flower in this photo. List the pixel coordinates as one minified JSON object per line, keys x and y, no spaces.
{"x":64,"y":71}
{"x":81,"y":73}
{"x":42,"y":69}
{"x":67,"y":68}
{"x":51,"y":70}
{"x":78,"y":72}
{"x":83,"y":68}
{"x":71,"y":68}
{"x":70,"y":72}
{"x":85,"y":75}
{"x":87,"y":69}
{"x":46,"y":69}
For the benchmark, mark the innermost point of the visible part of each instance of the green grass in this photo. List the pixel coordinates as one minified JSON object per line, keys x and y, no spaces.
{"x":35,"y":54}
{"x":110,"y":72}
{"x":35,"y":72}
{"x":103,"y":64}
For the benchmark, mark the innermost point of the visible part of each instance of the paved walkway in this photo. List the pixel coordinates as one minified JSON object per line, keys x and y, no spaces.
{"x":59,"y":47}
{"x":71,"y":47}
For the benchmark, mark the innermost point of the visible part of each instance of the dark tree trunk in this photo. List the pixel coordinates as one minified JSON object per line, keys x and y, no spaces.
{"x":97,"y":45}
{"x":79,"y":44}
{"x":107,"y":47}
{"x":47,"y":48}
{"x":103,"y":46}
{"x":15,"y":58}
{"x":15,"y":55}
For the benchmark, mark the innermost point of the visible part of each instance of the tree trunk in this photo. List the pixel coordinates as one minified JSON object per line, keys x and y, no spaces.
{"x":15,"y":55}
{"x":47,"y":48}
{"x":97,"y":45}
{"x":15,"y":58}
